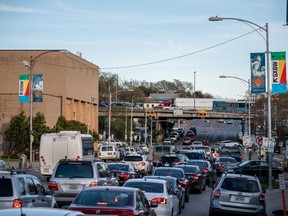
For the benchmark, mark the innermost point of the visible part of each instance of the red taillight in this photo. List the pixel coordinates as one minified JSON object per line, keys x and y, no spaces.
{"x":160,"y":200}
{"x":94,"y":184}
{"x":184,"y":184}
{"x":240,"y":158}
{"x":175,"y":163}
{"x":158,"y":164}
{"x":17,"y":203}
{"x":142,"y":163}
{"x":221,"y":165}
{"x":206,"y":170}
{"x":78,"y":157}
{"x":195,"y":177}
{"x":53,"y":186}
{"x":125,"y":176}
{"x":216,"y":194}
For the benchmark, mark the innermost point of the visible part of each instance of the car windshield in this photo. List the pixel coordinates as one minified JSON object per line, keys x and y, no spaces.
{"x":104,"y":198}
{"x":74,"y":170}
{"x":240,"y":184}
{"x":146,"y":187}
{"x":133,"y":158}
{"x":118,"y":167}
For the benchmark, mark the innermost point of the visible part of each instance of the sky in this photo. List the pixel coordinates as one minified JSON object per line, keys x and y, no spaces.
{"x":152,"y":40}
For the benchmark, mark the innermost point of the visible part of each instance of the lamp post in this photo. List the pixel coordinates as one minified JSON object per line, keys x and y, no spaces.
{"x":249,"y":98}
{"x":269,"y":132}
{"x":92,"y":99}
{"x":109,"y":114}
{"x":131,"y":123}
{"x":194,"y":90}
{"x":31,"y":65}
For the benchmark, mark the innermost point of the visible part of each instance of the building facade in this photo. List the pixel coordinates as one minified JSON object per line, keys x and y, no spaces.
{"x":70,"y":86}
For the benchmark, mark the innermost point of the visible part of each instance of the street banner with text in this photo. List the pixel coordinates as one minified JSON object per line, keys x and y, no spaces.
{"x":257,"y":63}
{"x":24,"y":88}
{"x":37,"y":88}
{"x":278,"y":63}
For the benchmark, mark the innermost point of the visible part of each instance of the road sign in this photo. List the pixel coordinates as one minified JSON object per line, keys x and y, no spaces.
{"x":259,"y":140}
{"x":281,"y":181}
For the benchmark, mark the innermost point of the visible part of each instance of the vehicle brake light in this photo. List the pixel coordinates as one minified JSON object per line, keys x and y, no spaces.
{"x":175,"y":163}
{"x":158,"y":164}
{"x":160,"y":200}
{"x":53,"y":186}
{"x":78,"y":157}
{"x":221,"y":165}
{"x":125,"y":176}
{"x":206,"y":170}
{"x":142,"y":163}
{"x":17,"y":203}
{"x":240,"y":158}
{"x":216,"y":194}
{"x":183,"y":184}
{"x":195,"y":177}
{"x":94,"y":184}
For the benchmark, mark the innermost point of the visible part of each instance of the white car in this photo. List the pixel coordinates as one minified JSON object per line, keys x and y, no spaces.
{"x":109,"y":152}
{"x":145,"y":148}
{"x":140,"y":163}
{"x":160,"y":192}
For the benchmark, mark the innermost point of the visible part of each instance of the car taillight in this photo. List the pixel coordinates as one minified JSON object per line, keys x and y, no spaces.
{"x":53,"y":186}
{"x":240,"y":158}
{"x":125,"y":176}
{"x":221,"y":165}
{"x":160,"y":200}
{"x":216,"y":194}
{"x":206,"y":170}
{"x":184,"y":184}
{"x":42,"y":159}
{"x":195,"y":177}
{"x":78,"y":157}
{"x":262,"y":198}
{"x":94,"y":184}
{"x":17,"y":203}
{"x":158,"y":164}
{"x":142,"y":163}
{"x":175,"y":163}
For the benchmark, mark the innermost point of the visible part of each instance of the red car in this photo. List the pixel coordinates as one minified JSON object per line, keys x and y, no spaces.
{"x":116,"y":200}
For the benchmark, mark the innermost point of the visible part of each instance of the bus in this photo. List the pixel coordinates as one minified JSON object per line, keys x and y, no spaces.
{"x":231,"y":105}
{"x":63,"y":145}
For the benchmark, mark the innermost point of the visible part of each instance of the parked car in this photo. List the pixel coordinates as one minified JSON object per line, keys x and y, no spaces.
{"x":222,"y":164}
{"x":169,"y":160}
{"x":106,"y":200}
{"x":140,"y":162}
{"x":207,"y":169}
{"x":196,"y":179}
{"x":256,"y":167}
{"x":158,"y":191}
{"x":123,"y":171}
{"x":176,"y":187}
{"x":71,"y":176}
{"x":238,"y":194}
{"x":177,"y":173}
{"x":39,"y":211}
{"x":23,"y":190}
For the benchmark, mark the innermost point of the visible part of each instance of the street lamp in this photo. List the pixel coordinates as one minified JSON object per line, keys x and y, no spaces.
{"x":31,"y":65}
{"x":265,"y":28}
{"x":249,"y":98}
{"x":194,"y":90}
{"x":109,"y":114}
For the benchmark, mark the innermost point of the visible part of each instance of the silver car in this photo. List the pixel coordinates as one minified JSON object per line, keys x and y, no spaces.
{"x":238,"y":194}
{"x":23,"y":190}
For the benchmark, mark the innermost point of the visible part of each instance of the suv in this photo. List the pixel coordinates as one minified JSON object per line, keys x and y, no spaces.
{"x":71,"y":176}
{"x":169,"y":160}
{"x":140,"y":163}
{"x":23,"y":190}
{"x":237,"y":193}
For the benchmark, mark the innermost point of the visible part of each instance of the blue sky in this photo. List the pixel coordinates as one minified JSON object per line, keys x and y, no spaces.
{"x":114,"y":34}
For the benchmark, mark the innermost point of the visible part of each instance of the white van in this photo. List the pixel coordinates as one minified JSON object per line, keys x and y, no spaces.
{"x":109,"y":152}
{"x":63,"y":145}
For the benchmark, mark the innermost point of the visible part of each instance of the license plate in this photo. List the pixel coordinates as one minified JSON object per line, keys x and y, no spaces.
{"x":73,"y":187}
{"x":240,"y":199}
{"x":109,"y":153}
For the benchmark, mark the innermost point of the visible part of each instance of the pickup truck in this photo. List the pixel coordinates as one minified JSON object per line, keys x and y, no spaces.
{"x":231,"y":151}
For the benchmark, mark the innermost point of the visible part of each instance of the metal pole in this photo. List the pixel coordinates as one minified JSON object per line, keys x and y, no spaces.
{"x":125,"y":138}
{"x":194,"y":90}
{"x":109,"y":116}
{"x":249,"y":108}
{"x":131,"y":123}
{"x":89,"y":112}
{"x":31,"y":112}
{"x":145,"y":136}
{"x":151,"y":127}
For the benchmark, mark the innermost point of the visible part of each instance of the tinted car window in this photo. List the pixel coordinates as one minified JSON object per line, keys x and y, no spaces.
{"x":6,"y":187}
{"x":169,"y":159}
{"x":123,"y":167}
{"x":74,"y":170}
{"x":133,"y":158}
{"x":240,"y":185}
{"x":147,"y":187}
{"x":194,"y":155}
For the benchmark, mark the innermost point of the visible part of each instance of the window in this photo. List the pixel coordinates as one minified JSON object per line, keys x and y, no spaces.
{"x":39,"y":188}
{"x":21,"y":186}
{"x":31,"y":187}
{"x":6,"y":188}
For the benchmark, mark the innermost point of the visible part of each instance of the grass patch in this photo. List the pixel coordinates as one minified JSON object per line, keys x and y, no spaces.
{"x":265,"y":184}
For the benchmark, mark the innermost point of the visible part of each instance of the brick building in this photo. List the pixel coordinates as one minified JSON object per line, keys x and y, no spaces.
{"x":70,"y":86}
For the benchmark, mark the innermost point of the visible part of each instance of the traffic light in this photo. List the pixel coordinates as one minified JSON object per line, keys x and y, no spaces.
{"x":202,"y":113}
{"x":150,"y":113}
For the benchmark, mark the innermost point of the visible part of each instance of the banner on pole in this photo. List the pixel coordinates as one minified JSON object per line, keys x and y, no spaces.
{"x":24,"y":88}
{"x":37,"y":88}
{"x":257,"y":63}
{"x":279,"y":82}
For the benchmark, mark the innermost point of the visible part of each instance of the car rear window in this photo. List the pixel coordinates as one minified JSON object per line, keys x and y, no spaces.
{"x":168,"y":172}
{"x":162,"y":149}
{"x":188,"y":169}
{"x":202,"y":165}
{"x":133,"y":158}
{"x":118,"y":167}
{"x":193,"y":155}
{"x":104,"y":198}
{"x":74,"y":170}
{"x":169,"y":159}
{"x":147,"y":187}
{"x":240,"y":184}
{"x":107,"y":148}
{"x":6,"y":189}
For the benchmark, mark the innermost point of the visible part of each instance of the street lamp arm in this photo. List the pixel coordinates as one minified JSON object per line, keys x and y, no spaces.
{"x":224,"y":76}
{"x":41,"y":54}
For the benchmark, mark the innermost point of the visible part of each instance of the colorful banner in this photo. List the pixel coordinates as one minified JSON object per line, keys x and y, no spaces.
{"x":279,"y":81}
{"x":257,"y":62}
{"x":37,"y":88}
{"x":24,"y":88}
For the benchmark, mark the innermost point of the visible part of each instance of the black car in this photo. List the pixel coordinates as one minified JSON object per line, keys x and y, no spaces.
{"x":222,"y":164}
{"x":256,"y":167}
{"x":196,"y":178}
{"x":123,"y":171}
{"x":207,"y":170}
{"x":170,"y":160}
{"x":194,"y":155}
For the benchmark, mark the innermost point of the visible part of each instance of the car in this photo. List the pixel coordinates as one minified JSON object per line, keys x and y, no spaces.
{"x":176,"y":187}
{"x":158,"y":191}
{"x":123,"y":171}
{"x":104,"y":200}
{"x":196,"y":179}
{"x":140,"y":163}
{"x":196,"y":143}
{"x":231,"y":151}
{"x":186,"y":141}
{"x":222,"y":164}
{"x":159,"y":150}
{"x":206,"y":149}
{"x":4,"y":167}
{"x":238,"y":194}
{"x":259,"y":168}
{"x":39,"y":211}
{"x":145,"y":148}
{"x":207,"y":169}
{"x":169,"y":160}
{"x":194,"y":129}
{"x":177,"y":173}
{"x":19,"y":190}
{"x":109,"y":152}
{"x":168,"y":141}
{"x":191,"y":135}
{"x":194,"y":155}
{"x":71,"y":176}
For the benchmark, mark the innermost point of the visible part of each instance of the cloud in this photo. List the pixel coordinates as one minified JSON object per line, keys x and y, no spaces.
{"x":6,"y":8}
